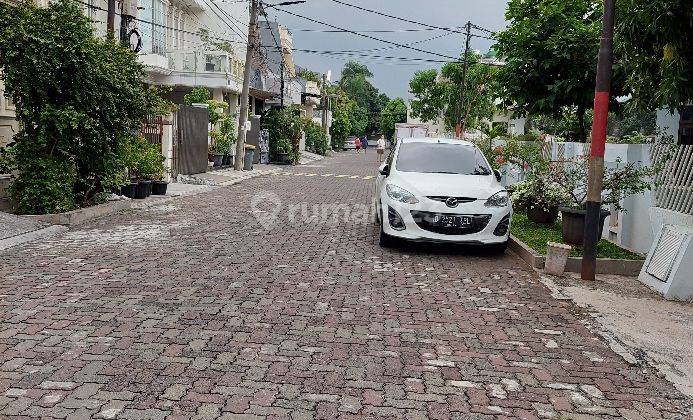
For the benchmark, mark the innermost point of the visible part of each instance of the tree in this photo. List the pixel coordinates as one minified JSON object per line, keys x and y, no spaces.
{"x":436,"y":95}
{"x":369,"y":101}
{"x":430,"y":97}
{"x":550,"y":52}
{"x":341,"y":122}
{"x":394,"y":112}
{"x":654,"y":39}
{"x":78,"y":99}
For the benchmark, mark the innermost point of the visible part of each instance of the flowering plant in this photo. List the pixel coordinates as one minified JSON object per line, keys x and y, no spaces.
{"x":620,"y":181}
{"x":539,"y":192}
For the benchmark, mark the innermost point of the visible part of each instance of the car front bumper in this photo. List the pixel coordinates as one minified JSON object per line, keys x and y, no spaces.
{"x":481,"y":234}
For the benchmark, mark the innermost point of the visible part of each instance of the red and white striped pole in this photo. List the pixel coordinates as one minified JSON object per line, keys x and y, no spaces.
{"x":596,"y":163}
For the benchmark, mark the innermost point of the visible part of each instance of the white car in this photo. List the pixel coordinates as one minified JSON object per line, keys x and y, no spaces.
{"x":441,"y":190}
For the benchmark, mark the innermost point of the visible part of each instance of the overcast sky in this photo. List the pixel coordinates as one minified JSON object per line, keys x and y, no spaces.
{"x":390,"y":77}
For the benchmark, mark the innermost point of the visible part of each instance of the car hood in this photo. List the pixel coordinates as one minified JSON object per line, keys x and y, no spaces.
{"x":451,"y":185}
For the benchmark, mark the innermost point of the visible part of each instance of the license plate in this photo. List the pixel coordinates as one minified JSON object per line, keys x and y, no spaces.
{"x":452,"y":221}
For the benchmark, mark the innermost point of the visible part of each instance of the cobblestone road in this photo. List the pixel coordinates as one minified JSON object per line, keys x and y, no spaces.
{"x":193,"y":309}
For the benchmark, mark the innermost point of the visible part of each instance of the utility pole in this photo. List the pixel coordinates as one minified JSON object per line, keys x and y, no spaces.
{"x":281,"y":70}
{"x":461,"y":124}
{"x":596,"y":163}
{"x":240,"y":142}
{"x":110,"y":19}
{"x":324,"y":102}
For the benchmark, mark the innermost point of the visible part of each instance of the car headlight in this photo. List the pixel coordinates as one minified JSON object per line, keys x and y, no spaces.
{"x":400,"y":194}
{"x":499,"y":199}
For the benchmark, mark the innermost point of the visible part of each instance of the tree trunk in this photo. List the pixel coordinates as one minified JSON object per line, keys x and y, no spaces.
{"x":582,"y":132}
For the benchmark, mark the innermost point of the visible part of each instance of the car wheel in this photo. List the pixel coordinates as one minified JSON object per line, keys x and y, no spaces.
{"x":498,"y":248}
{"x":385,"y":241}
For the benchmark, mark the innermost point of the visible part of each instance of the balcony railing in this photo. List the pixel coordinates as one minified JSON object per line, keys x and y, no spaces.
{"x":205,"y":61}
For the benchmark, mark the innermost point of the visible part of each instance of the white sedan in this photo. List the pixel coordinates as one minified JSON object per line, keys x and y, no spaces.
{"x":441,"y":190}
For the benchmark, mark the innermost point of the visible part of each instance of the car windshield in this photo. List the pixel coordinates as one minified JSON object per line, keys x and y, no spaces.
{"x":441,"y":158}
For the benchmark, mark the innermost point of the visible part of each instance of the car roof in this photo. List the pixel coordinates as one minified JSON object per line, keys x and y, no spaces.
{"x":434,"y":140}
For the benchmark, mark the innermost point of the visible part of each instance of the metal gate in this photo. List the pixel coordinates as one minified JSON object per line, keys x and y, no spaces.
{"x":190,"y":144}
{"x":152,"y":129}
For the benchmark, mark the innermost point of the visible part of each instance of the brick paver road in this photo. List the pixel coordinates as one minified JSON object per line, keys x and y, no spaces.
{"x":194,"y":309}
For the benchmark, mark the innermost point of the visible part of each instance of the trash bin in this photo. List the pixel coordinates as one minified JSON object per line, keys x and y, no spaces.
{"x":248,"y":159}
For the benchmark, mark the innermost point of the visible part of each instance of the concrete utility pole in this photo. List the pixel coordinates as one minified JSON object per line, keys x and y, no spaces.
{"x":461,"y":126}
{"x":281,"y":71}
{"x":323,"y":92}
{"x":596,"y":165}
{"x":240,"y":142}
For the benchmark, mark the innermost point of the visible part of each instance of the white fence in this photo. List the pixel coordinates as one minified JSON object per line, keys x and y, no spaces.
{"x":672,"y":192}
{"x":674,"y":189}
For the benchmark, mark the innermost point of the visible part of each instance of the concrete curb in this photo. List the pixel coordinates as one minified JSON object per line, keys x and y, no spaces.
{"x":604,"y":265}
{"x":31,"y":236}
{"x":78,"y":216}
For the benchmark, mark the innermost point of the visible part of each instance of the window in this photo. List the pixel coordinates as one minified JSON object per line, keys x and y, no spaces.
{"x":441,"y":158}
{"x":686,"y":125}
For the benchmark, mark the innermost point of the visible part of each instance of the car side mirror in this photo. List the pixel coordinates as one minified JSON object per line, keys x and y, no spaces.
{"x":385,"y":171}
{"x":498,"y":175}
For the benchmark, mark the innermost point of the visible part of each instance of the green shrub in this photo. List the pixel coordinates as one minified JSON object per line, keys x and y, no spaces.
{"x":283,"y":146}
{"x":538,"y":192}
{"x":7,"y":160}
{"x":51,"y":192}
{"x":198,"y":95}
{"x":316,"y":138}
{"x":528,"y":137}
{"x":77,"y":96}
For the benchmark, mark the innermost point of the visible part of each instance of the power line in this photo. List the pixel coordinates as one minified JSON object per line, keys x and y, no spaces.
{"x":222,"y":19}
{"x":455,"y":30}
{"x":366,"y":30}
{"x":366,"y":36}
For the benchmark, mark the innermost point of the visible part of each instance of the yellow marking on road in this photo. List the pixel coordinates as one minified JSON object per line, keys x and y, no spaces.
{"x":327,"y":175}
{"x":341,"y":176}
{"x":311,"y":174}
{"x":354,"y":176}
{"x":368,"y":177}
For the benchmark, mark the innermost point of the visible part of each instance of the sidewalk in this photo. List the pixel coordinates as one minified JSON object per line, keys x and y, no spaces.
{"x":637,"y":323}
{"x":229,"y":176}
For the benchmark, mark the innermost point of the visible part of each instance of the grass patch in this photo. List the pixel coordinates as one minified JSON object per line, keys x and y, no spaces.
{"x":536,"y":235}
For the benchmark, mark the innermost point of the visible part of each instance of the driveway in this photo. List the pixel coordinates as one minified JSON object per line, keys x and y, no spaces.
{"x":272,"y":299}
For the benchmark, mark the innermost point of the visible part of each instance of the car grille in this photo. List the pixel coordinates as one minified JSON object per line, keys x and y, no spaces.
{"x":443,"y":198}
{"x":424,"y":219}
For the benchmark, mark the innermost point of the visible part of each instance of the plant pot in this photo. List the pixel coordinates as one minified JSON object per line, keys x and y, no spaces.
{"x":159,"y":187}
{"x":573,"y":224}
{"x":284,"y":159}
{"x":227,"y":160}
{"x":218,"y":160}
{"x":129,"y":190}
{"x":144,"y":190}
{"x":539,"y":215}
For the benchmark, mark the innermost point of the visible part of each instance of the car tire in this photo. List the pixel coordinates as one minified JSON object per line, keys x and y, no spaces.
{"x":385,"y":240}
{"x":498,"y":248}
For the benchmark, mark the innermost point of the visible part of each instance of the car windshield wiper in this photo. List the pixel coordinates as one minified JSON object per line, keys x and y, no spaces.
{"x":441,"y":172}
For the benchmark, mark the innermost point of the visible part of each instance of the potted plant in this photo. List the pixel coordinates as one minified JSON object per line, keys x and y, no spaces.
{"x":284,"y":152}
{"x":216,"y":149}
{"x":539,"y":198}
{"x":227,"y":130}
{"x":620,"y":181}
{"x":147,"y":163}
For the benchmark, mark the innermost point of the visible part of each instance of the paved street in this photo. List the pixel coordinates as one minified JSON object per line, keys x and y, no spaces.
{"x":193,"y":308}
